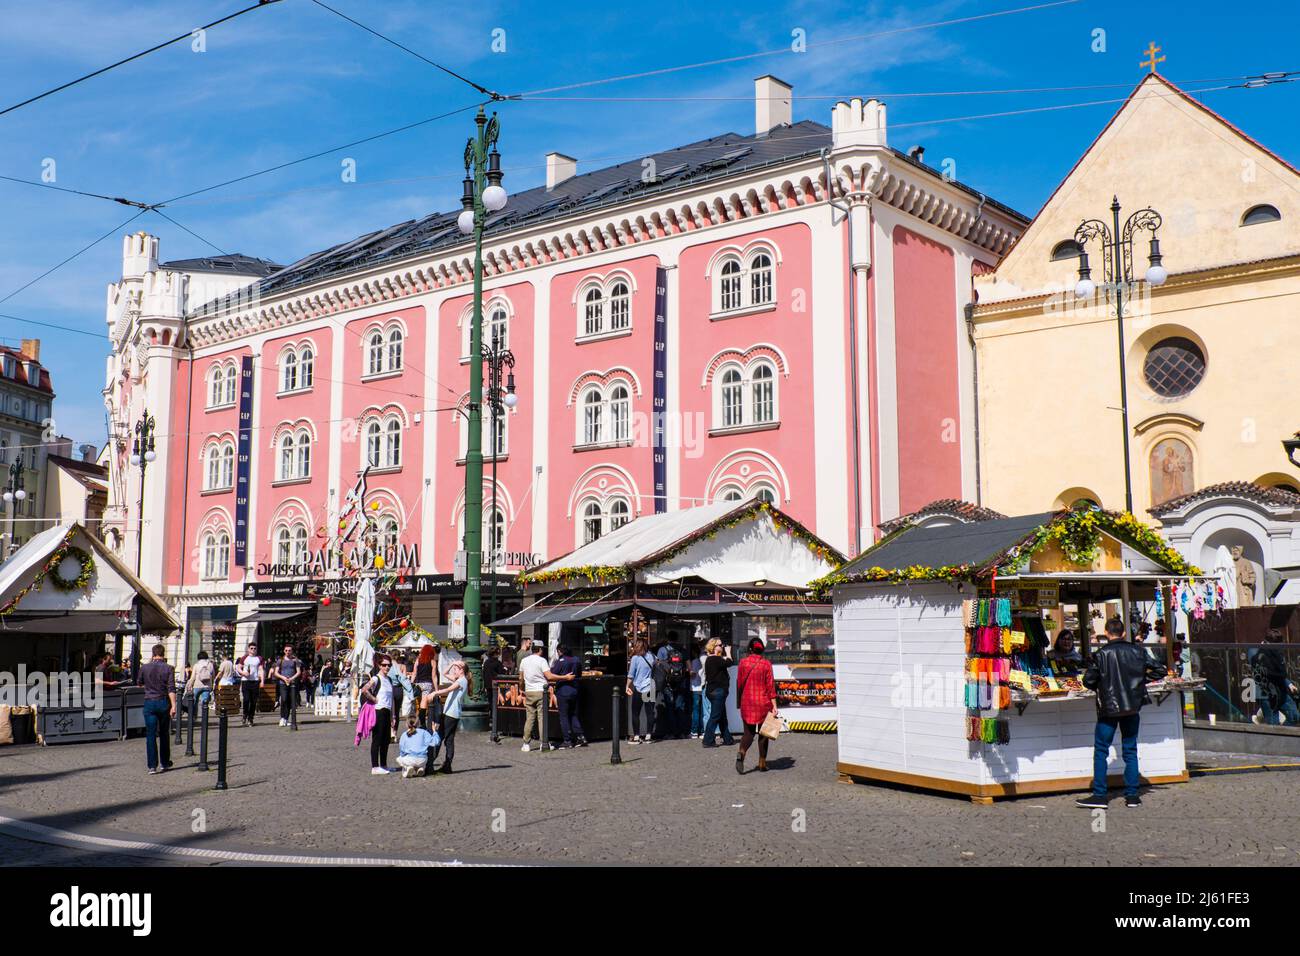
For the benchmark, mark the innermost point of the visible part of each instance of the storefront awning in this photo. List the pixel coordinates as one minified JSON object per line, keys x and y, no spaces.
{"x":561,"y":613}
{"x":280,"y":612}
{"x":702,"y":608}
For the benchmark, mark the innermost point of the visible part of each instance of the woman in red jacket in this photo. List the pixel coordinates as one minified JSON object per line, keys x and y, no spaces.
{"x":756,"y":697}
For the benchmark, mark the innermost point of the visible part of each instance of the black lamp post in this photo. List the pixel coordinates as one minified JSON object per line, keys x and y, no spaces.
{"x":14,"y":494}
{"x":499,"y":361}
{"x":142,"y":453}
{"x":1291,"y":446}
{"x":1117,"y":275}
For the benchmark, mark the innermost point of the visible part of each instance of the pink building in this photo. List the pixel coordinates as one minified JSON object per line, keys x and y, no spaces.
{"x":803,"y":287}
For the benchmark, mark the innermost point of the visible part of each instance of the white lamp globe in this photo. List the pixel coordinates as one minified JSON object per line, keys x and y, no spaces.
{"x":465,"y":221}
{"x":9,"y":496}
{"x":1085,"y":289}
{"x":511,"y":400}
{"x":494,"y":198}
{"x":1157,"y":275}
{"x":135,"y":459}
{"x":150,"y":455}
{"x":20,"y":494}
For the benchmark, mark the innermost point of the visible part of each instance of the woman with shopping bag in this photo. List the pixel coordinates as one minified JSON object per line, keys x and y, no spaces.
{"x":756,"y":698}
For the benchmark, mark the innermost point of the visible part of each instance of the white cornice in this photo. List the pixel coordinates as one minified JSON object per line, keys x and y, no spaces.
{"x":643,"y":221}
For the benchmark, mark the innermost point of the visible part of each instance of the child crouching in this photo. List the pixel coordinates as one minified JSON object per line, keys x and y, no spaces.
{"x":413,"y":748}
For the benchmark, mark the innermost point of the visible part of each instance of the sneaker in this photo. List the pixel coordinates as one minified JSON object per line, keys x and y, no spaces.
{"x":582,"y":741}
{"x":633,"y":741}
{"x":283,"y":722}
{"x":1133,"y":801}
{"x":708,"y":745}
{"x":525,"y":748}
{"x":1258,"y":718}
{"x":1091,"y":803}
{"x":379,"y":771}
{"x":154,"y":770}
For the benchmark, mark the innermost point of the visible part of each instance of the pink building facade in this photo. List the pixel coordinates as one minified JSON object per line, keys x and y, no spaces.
{"x":813,"y":343}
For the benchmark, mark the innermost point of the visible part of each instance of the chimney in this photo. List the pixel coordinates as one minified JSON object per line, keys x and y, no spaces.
{"x":771,"y":104}
{"x":31,"y":349}
{"x":856,"y":123}
{"x":559,"y":168}
{"x":89,"y":452}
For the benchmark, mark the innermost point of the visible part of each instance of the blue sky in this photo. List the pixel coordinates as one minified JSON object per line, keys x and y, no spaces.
{"x":292,"y":79}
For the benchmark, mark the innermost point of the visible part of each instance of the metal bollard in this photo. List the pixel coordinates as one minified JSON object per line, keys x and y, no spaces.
{"x":546,"y":712}
{"x":293,"y":707}
{"x":180,"y":716}
{"x":492,"y":700}
{"x":222,"y":722}
{"x":189,"y":738}
{"x":203,"y":737}
{"x":617,"y":731}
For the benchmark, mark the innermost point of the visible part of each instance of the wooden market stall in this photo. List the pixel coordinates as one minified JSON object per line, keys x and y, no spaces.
{"x":730,"y":570}
{"x":941,"y":653}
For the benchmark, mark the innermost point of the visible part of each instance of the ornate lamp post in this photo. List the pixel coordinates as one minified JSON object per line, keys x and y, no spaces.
{"x":142,"y":453}
{"x":482,"y":194}
{"x":499,"y":361}
{"x":1117,"y":275}
{"x":14,"y":493}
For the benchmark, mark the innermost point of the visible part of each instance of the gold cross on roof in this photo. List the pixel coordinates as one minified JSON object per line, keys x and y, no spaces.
{"x":1152,"y":60}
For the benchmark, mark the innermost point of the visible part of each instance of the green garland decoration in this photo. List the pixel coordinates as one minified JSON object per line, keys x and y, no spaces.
{"x":82,"y":580}
{"x":54,"y":561}
{"x":914,"y":574}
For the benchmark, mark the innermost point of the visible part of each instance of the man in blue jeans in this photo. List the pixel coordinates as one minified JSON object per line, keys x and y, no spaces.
{"x":1118,"y":672}
{"x":159,"y":681}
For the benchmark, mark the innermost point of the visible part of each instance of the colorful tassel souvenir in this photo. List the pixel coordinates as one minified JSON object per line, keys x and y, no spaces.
{"x":1003,"y":613}
{"x":968,"y":613}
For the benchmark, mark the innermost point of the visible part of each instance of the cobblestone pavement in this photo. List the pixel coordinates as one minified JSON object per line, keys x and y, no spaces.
{"x":310,"y":792}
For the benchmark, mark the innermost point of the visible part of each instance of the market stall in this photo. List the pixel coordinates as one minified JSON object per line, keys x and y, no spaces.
{"x":729,"y":570}
{"x":946,"y":675}
{"x":63,"y":594}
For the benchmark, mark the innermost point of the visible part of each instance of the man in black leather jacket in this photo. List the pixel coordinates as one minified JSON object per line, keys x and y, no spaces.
{"x":1118,"y":672}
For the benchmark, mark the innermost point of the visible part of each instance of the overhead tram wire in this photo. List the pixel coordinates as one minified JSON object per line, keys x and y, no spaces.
{"x":153,"y":49}
{"x":495,"y":96}
{"x":740,"y":58}
{"x":179,"y":225}
{"x":83,"y":249}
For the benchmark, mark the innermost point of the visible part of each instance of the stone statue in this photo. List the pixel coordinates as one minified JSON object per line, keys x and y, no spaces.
{"x":1245,"y":578}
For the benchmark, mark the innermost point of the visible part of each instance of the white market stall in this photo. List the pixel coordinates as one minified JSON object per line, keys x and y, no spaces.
{"x":731,"y":570}
{"x":940,"y":636}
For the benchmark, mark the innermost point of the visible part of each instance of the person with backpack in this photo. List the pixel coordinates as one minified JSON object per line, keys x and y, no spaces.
{"x":673,"y":682}
{"x":378,"y":692}
{"x":1118,"y":672}
{"x":202,"y":676}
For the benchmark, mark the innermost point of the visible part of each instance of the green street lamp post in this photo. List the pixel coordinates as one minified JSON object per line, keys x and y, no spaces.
{"x":482,"y":195}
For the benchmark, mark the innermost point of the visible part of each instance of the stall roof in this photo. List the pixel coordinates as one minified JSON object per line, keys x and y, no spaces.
{"x":560,"y":613}
{"x":273,"y":612}
{"x":949,"y":545}
{"x":113,"y":588}
{"x":670,"y":546}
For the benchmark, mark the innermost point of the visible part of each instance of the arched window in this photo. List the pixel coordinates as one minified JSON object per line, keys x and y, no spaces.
{"x":232,"y":384}
{"x":1065,"y":249}
{"x":591,"y":522}
{"x":497,"y":533}
{"x":388,"y":538}
{"x":393,"y":443}
{"x":375,"y":354}
{"x":731,"y":493}
{"x":304,"y":454}
{"x":212,"y":479}
{"x":764,"y":492}
{"x":498,"y":330}
{"x":283,"y":546}
{"x":300,"y":544}
{"x":289,"y":371}
{"x":594,"y":313}
{"x":395,"y":350}
{"x":764,"y":394}
{"x":217,"y":395}
{"x":760,"y":279}
{"x":620,"y":414}
{"x":216,"y":555}
{"x":306,"y":367}
{"x":374,"y":444}
{"x":620,"y":307}
{"x":730,"y":289}
{"x":732,"y":406}
{"x":619,"y":514}
{"x":1260,"y":214}
{"x":1173,"y":367}
{"x":287,"y":451}
{"x":228,"y":465}
{"x":592,"y":406}
{"x":499,"y":445}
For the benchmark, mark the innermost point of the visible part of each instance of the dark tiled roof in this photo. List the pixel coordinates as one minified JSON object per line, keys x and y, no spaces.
{"x":963,"y":510}
{"x":1230,"y":489}
{"x":236,"y":264}
{"x":20,"y":370}
{"x":702,"y":161}
{"x":76,"y":464}
{"x":972,"y":544}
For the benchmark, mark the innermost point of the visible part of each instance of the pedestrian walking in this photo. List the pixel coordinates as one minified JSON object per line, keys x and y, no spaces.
{"x":379,"y":692}
{"x":756,"y":697}
{"x":673,"y":683}
{"x":567,"y":670}
{"x":699,"y":703}
{"x":717,"y":684}
{"x":1118,"y":672}
{"x":328,"y":677}
{"x":286,"y":673}
{"x":202,"y":678}
{"x":456,"y":691}
{"x":415,"y":747}
{"x":159,"y":681}
{"x":641,"y":692}
{"x":226,"y":676}
{"x":251,"y":677}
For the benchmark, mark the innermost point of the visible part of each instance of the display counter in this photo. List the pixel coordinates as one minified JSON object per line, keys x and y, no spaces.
{"x":595,"y":707}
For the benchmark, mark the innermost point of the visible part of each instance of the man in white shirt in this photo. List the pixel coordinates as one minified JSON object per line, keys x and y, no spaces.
{"x":534,"y":674}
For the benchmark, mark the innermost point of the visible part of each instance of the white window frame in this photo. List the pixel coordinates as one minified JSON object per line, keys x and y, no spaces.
{"x":603,"y":307}
{"x":742,"y":285}
{"x":745,"y":395}
{"x":216,"y":555}
{"x":289,"y":370}
{"x":219,"y":466}
{"x":598,"y":423}
{"x":388,"y":442}
{"x":223,"y":385}
{"x":602,"y":512}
